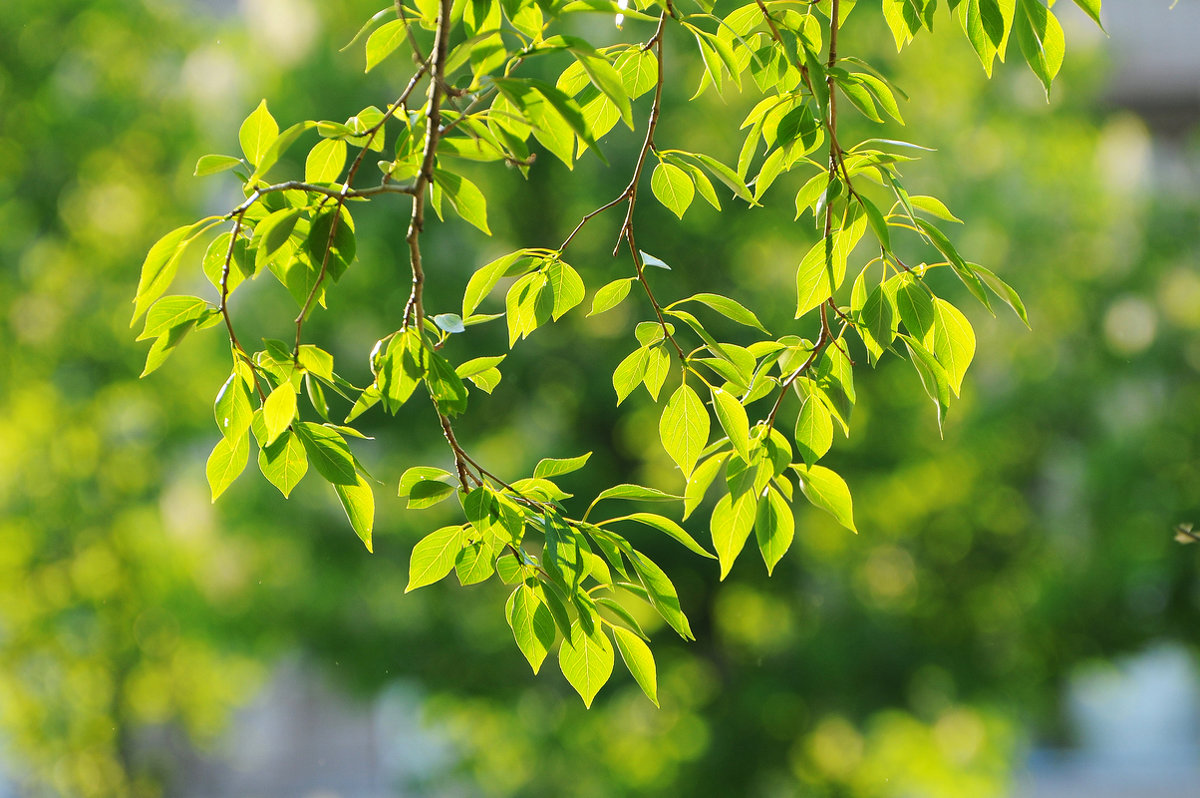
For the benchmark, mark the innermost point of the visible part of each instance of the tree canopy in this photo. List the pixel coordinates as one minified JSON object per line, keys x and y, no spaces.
{"x":966,"y":596}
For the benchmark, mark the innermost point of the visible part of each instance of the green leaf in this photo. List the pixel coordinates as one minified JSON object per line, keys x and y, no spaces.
{"x":328,"y":452}
{"x":673,"y":188}
{"x":170,"y":312}
{"x":485,"y":278}
{"x":933,"y":376}
{"x":283,"y":462}
{"x":432,"y":559}
{"x":824,"y":266}
{"x":953,"y":342}
{"x":878,"y":327}
{"x":731,"y":522}
{"x":729,"y":308}
{"x":445,"y":386}
{"x":684,"y":427}
{"x":478,"y":365}
{"x":658,"y":365}
{"x":474,"y":563}
{"x":226,"y":463}
{"x":531,"y":623}
{"x":637,"y":657}
{"x":401,"y":369}
{"x":565,"y":285}
{"x":325,"y":161}
{"x":700,"y":480}
{"x":915,"y":306}
{"x":257,"y":133}
{"x":667,"y":527}
{"x":774,"y":527}
{"x":1092,"y":7}
{"x":635,"y":492}
{"x":428,"y":493}
{"x":603,"y":76}
{"x":164,"y":345}
{"x":611,"y":295}
{"x":732,"y":416}
{"x":586,"y":659}
{"x":384,"y":40}
{"x":1003,"y":290}
{"x":465,"y":197}
{"x":161,"y":264}
{"x":934,"y":207}
{"x":278,"y":411}
{"x":1041,"y":39}
{"x":213,"y":263}
{"x":279,"y":146}
{"x":661,"y":593}
{"x":828,"y":491}
{"x":814,"y":430}
{"x":212,"y":164}
{"x":549,"y":467}
{"x":232,"y":407}
{"x":528,"y":305}
{"x":630,"y":372}
{"x":358,"y":500}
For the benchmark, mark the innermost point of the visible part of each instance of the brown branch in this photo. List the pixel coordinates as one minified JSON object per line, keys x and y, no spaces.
{"x":224,"y":307}
{"x":414,"y":311}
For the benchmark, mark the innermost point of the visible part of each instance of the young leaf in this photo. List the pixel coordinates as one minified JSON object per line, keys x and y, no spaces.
{"x":548,"y":467}
{"x":668,"y":527}
{"x":531,"y":623}
{"x":257,"y":133}
{"x":278,"y":411}
{"x":661,"y":593}
{"x":212,"y":164}
{"x":730,"y":525}
{"x":700,"y":480}
{"x":428,"y":493}
{"x":226,"y":463}
{"x":161,"y":264}
{"x":1003,"y":290}
{"x":232,"y":408}
{"x":637,"y":657}
{"x":915,"y":306}
{"x":734,"y":421}
{"x":630,"y":372}
{"x":172,"y":311}
{"x":586,"y":659}
{"x":566,"y":286}
{"x":328,"y":452}
{"x":433,"y":557}
{"x":1041,"y":39}
{"x":828,"y":491}
{"x":684,"y":427}
{"x":953,"y":341}
{"x":611,"y":295}
{"x":814,"y":429}
{"x":283,"y":462}
{"x":465,"y":197}
{"x":729,"y":308}
{"x":658,"y":365}
{"x":474,"y":563}
{"x":673,"y":188}
{"x":774,"y":527}
{"x":933,"y":376}
{"x":358,"y":500}
{"x":325,"y":161}
{"x":384,"y":40}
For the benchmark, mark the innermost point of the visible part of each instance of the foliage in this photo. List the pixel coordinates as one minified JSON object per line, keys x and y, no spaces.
{"x":577,"y":579}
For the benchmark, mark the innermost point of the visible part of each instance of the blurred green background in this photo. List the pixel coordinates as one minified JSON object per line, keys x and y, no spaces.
{"x":925,"y":657}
